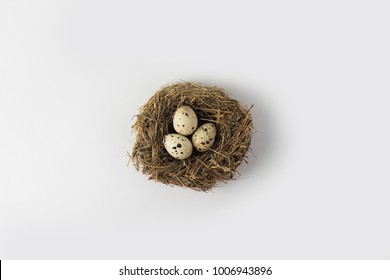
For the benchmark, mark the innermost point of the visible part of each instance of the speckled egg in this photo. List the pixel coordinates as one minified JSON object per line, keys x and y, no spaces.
{"x":185,"y":121}
{"x":178,"y":146}
{"x":204,"y":137}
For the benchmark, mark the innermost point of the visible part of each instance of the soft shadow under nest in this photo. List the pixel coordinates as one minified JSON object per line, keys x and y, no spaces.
{"x":201,"y":171}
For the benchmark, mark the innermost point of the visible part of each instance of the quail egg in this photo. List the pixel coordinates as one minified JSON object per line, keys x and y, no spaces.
{"x":185,"y":121}
{"x":204,"y":137}
{"x":178,"y":146}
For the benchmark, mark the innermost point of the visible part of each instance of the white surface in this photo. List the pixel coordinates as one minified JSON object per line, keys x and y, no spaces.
{"x":73,"y":73}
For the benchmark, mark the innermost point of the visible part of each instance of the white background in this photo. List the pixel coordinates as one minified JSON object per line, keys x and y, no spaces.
{"x":74,"y":73}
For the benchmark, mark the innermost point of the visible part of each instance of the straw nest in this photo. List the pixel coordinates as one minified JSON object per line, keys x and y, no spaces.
{"x":201,"y":171}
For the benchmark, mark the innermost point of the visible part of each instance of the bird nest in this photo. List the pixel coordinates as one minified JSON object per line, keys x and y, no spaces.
{"x":202,"y":170}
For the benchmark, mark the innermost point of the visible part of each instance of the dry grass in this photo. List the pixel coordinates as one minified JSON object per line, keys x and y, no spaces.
{"x":201,"y":171}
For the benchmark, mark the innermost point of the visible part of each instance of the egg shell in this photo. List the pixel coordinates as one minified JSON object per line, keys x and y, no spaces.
{"x":185,"y":121}
{"x":178,"y":146}
{"x":204,"y":137}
